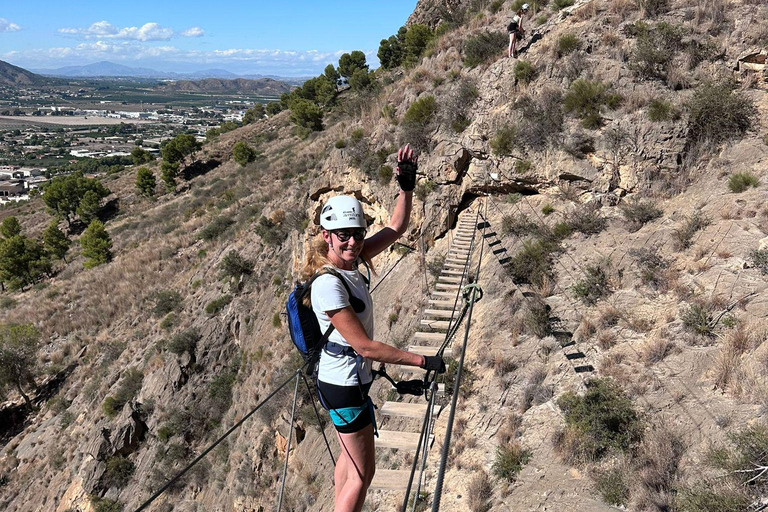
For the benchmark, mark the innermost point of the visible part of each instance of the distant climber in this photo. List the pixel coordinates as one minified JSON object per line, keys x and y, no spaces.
{"x":516,"y":30}
{"x":344,"y":372}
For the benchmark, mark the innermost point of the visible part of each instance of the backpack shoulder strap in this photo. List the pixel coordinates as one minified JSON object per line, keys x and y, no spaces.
{"x":334,"y":272}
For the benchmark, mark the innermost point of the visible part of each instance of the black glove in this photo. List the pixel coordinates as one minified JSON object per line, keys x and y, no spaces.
{"x":407,"y":177}
{"x":410,"y":387}
{"x":434,"y":363}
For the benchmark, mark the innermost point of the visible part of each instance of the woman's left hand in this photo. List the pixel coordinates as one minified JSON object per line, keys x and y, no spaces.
{"x":407,"y":165}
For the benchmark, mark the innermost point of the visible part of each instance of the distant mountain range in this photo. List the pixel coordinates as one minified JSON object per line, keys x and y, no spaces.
{"x":106,"y":69}
{"x":262,"y":86}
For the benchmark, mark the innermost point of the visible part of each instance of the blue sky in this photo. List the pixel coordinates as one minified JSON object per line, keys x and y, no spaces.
{"x":289,"y":37}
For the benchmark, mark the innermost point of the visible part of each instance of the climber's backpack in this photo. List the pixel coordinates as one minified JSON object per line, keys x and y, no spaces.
{"x":303,"y":324}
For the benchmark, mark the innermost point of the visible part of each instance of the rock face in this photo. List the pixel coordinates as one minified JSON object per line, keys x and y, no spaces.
{"x":431,"y":12}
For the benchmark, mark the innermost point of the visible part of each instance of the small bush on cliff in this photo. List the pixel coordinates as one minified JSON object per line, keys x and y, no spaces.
{"x":760,"y":259}
{"x":741,"y":181}
{"x":504,"y":141}
{"x":716,"y":113}
{"x":661,"y":110}
{"x":585,"y":99}
{"x":129,"y":386}
{"x":599,"y":422}
{"x":638,"y":213}
{"x":215,"y":306}
{"x":524,"y":72}
{"x":482,"y":47}
{"x":509,"y":461}
{"x":691,"y":225}
{"x":567,"y":44}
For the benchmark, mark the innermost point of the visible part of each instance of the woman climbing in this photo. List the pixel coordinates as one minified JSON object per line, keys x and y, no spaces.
{"x":344,"y":370}
{"x":516,"y":30}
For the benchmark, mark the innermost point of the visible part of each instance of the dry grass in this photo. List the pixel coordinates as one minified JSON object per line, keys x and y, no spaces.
{"x":656,"y":469}
{"x":622,"y":7}
{"x":609,"y":316}
{"x":606,"y":339}
{"x":480,"y":492}
{"x":585,"y":330}
{"x":656,"y":349}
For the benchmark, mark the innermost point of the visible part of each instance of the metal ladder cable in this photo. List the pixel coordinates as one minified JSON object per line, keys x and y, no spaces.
{"x":288,"y":445}
{"x":319,"y":421}
{"x":216,"y":443}
{"x":433,"y":386}
{"x":454,"y":399}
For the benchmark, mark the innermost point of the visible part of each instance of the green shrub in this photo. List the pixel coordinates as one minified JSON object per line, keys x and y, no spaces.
{"x":594,"y":285}
{"x":652,"y":268}
{"x":547,"y":209}
{"x":215,"y":306}
{"x":518,"y":225}
{"x":421,"y":111}
{"x":523,"y":166}
{"x":216,"y":228}
{"x":118,"y":472}
{"x":524,"y":71}
{"x":653,"y":8}
{"x":692,"y":224}
{"x":496,"y":6}
{"x":425,"y":188}
{"x":166,"y":301}
{"x":341,"y":143}
{"x":541,"y":118}
{"x":170,"y":320}
{"x":716,"y":113}
{"x":129,"y":386}
{"x":585,"y":99}
{"x":741,"y":181}
{"x":509,"y":461}
{"x":185,"y":341}
{"x":655,"y":49}
{"x":598,"y":423}
{"x":105,"y":505}
{"x":638,"y":213}
{"x":746,"y":457}
{"x":504,"y":141}
{"x":697,"y":318}
{"x":243,"y":154}
{"x":233,"y":266}
{"x":385,"y":174}
{"x":562,"y":4}
{"x":533,"y":263}
{"x":567,"y":44}
{"x":760,"y":259}
{"x":706,"y":498}
{"x":482,"y":47}
{"x":661,"y":110}
{"x":587,"y":219}
{"x":270,"y":232}
{"x":613,"y":487}
{"x":276,"y":322}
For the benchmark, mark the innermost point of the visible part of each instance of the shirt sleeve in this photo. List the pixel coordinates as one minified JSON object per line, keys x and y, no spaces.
{"x":329,"y":294}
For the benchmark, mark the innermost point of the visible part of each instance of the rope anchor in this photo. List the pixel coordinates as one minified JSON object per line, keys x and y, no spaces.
{"x":470,"y":297}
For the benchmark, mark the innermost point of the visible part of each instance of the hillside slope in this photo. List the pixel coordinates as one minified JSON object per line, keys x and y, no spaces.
{"x":605,"y":182}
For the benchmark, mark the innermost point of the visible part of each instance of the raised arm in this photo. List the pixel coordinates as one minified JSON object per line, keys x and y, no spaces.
{"x":407,"y":164}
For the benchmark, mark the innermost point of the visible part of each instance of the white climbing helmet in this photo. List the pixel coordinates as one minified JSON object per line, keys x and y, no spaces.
{"x":525,"y":7}
{"x":342,"y":212}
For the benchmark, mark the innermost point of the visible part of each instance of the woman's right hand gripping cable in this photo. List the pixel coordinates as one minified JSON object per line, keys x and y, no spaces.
{"x":434,"y":364}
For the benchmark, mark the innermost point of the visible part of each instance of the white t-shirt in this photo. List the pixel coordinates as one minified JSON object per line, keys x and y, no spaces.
{"x":329,"y":294}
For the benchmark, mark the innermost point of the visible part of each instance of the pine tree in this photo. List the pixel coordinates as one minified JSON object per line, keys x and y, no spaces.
{"x":10,"y":227}
{"x":96,"y":245}
{"x":243,"y":153}
{"x":168,"y":172}
{"x":18,"y":357}
{"x":145,"y":182}
{"x":55,"y":241}
{"x":22,"y":262}
{"x":89,"y":207}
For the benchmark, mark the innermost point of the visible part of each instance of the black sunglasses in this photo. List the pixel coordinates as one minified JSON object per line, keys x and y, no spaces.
{"x":344,"y":234}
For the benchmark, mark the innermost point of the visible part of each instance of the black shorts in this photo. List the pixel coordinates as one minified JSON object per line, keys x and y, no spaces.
{"x":340,"y":397}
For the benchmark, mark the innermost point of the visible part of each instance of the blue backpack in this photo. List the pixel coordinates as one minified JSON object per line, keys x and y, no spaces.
{"x":303,"y":324}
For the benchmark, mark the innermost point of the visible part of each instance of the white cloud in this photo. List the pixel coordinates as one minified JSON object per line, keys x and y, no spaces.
{"x":193,"y":32}
{"x":8,"y":26}
{"x":105,"y":30}
{"x":136,"y":53}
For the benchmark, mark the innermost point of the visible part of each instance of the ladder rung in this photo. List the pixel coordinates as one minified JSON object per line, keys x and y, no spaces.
{"x":405,"y":409}
{"x":500,"y":251}
{"x":489,"y":235}
{"x":427,"y":350}
{"x":495,"y":242}
{"x":506,"y":260}
{"x":456,"y":261}
{"x":575,"y":355}
{"x":391,"y":479}
{"x":444,"y":294}
{"x":399,"y":440}
{"x":429,"y":336}
{"x":435,"y":324}
{"x":585,"y":368}
{"x":448,"y":304}
{"x":440,"y":313}
{"x":446,"y":286}
{"x":449,"y":279}
{"x":452,"y":273}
